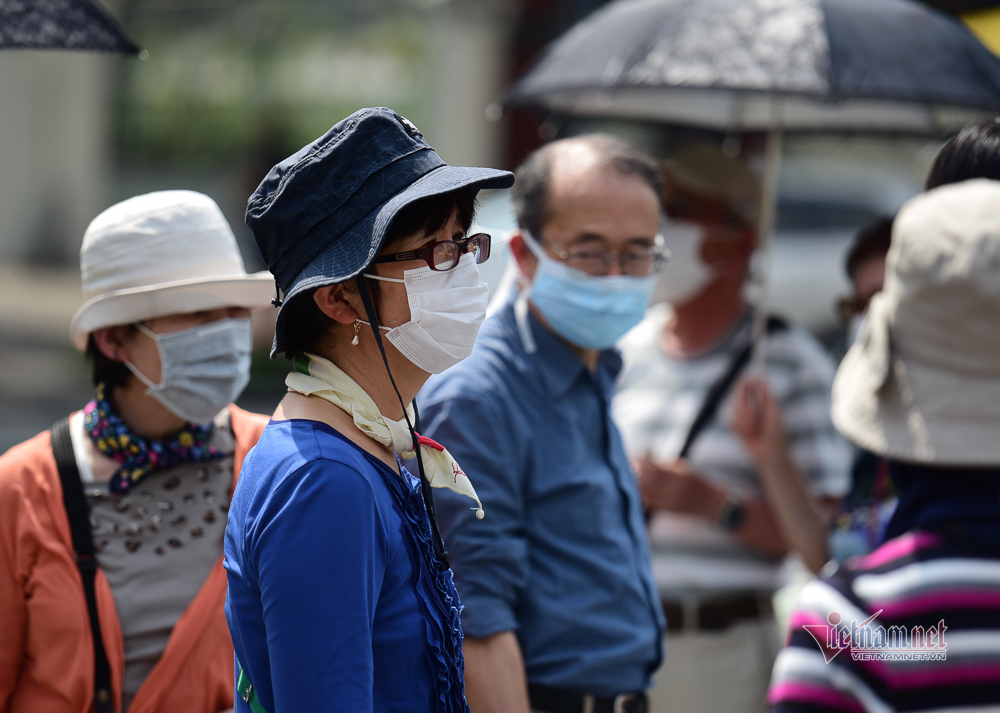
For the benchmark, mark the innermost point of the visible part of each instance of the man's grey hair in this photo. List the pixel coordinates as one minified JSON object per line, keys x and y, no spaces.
{"x":531,"y":187}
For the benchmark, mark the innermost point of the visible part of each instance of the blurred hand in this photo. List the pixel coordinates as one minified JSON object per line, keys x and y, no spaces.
{"x":757,"y":420}
{"x":677,"y":488}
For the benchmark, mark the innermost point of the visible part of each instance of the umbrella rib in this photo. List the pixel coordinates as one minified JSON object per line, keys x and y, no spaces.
{"x":641,"y":47}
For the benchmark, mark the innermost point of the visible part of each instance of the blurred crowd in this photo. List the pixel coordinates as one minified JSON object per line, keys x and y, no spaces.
{"x":584,"y":503}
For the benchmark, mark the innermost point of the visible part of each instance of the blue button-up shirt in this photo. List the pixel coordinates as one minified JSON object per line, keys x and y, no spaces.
{"x":561,"y":557}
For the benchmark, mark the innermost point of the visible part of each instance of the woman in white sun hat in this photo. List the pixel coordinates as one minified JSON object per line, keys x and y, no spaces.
{"x":921,"y":388}
{"x":112,"y":589}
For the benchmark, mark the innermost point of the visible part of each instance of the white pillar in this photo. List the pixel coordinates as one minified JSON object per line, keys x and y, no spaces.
{"x":468,"y":42}
{"x":54,"y":151}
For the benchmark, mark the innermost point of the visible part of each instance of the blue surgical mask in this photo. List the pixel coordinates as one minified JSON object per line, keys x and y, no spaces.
{"x":589,"y":311}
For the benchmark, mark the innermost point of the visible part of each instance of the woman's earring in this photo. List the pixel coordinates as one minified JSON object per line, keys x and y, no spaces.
{"x":357,"y":326}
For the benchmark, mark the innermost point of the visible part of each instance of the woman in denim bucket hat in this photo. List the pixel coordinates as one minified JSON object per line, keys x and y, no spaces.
{"x":340,"y":595}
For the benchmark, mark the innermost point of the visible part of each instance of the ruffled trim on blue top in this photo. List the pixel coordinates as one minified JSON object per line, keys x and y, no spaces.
{"x":435,"y":590}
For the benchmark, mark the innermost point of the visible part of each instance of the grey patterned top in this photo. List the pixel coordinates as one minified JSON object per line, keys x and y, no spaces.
{"x":157,"y":544}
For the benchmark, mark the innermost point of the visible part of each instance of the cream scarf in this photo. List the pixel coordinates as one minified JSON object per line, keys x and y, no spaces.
{"x":316,"y":376}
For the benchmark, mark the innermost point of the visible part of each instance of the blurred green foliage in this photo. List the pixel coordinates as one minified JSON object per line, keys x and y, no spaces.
{"x":252,"y":81}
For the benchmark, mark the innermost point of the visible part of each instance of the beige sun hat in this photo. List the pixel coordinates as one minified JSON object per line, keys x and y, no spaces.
{"x":161,"y":253}
{"x":704,"y":169}
{"x":922,"y":381}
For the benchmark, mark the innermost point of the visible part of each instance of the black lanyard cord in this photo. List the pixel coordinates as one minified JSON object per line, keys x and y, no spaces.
{"x":425,"y":486}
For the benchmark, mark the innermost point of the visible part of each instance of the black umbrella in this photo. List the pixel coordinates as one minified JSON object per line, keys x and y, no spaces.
{"x":759,"y":64}
{"x":61,"y":24}
{"x":768,"y":65}
{"x":961,"y":6}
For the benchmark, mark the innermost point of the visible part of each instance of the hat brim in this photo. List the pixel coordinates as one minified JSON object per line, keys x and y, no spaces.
{"x":140,"y":303}
{"x":357,"y":247}
{"x":909,"y":411}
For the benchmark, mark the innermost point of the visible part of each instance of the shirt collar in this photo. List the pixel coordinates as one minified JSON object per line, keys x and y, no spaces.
{"x":558,"y":366}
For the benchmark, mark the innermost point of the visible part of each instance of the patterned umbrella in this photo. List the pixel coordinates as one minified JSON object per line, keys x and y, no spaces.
{"x":61,"y":24}
{"x":763,"y":64}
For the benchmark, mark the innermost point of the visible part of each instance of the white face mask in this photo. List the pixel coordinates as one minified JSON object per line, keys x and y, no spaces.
{"x":203,"y":369}
{"x":446,"y":311}
{"x":685,"y":274}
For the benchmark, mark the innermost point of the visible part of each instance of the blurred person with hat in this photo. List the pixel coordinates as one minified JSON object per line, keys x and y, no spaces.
{"x":859,"y":525}
{"x":561,"y":613}
{"x":340,"y":595}
{"x":112,"y":589}
{"x":727,"y":499}
{"x":921,"y":388}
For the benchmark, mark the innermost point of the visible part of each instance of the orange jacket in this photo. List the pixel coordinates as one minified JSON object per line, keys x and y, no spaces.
{"x":46,"y":648}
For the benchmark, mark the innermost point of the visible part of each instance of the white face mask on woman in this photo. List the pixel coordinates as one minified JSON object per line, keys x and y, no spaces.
{"x":203,"y":369}
{"x":446,"y":310}
{"x":686,"y":274}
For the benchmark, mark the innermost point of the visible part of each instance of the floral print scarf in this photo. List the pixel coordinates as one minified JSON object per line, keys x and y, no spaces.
{"x":136,"y":455}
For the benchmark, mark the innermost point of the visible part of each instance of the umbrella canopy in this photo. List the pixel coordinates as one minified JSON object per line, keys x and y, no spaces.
{"x":961,"y":6}
{"x":750,"y":65}
{"x":61,"y":24}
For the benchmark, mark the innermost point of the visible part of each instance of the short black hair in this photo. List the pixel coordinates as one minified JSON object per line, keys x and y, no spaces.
{"x":105,"y":371}
{"x":531,"y":185}
{"x":973,"y":153}
{"x":872,"y":240}
{"x":307,"y":329}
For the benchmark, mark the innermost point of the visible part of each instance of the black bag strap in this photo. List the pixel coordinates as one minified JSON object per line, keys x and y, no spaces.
{"x":83,"y":544}
{"x":721,"y":387}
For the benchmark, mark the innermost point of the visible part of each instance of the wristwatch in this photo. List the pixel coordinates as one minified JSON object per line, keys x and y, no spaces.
{"x":731,"y":513}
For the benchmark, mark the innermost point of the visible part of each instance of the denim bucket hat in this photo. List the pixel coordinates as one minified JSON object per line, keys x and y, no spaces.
{"x":320,"y":216}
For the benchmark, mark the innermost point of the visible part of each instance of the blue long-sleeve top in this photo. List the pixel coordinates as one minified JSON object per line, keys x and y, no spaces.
{"x":561,"y":558}
{"x":335,"y":601}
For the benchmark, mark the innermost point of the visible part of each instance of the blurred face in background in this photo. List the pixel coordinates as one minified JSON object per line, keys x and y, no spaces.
{"x":706,"y":240}
{"x":867,"y":281}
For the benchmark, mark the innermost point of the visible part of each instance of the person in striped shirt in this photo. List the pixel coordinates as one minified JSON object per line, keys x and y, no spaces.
{"x":915,"y":625}
{"x":725,"y":505}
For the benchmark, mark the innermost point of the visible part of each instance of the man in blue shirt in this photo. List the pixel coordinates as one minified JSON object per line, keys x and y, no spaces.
{"x":561,"y":613}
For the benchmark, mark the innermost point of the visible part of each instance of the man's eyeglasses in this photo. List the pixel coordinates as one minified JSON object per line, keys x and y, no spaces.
{"x":444,"y":256}
{"x":638,"y":261}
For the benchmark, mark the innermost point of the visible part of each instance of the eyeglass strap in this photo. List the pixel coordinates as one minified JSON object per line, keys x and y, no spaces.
{"x":425,"y":486}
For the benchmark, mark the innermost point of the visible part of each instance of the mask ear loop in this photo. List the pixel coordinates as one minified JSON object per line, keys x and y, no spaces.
{"x":425,"y":486}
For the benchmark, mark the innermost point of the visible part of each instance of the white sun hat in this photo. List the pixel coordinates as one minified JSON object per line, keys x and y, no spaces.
{"x":161,"y":253}
{"x":922,"y":381}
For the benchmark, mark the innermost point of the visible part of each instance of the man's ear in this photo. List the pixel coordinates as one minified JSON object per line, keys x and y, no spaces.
{"x":525,"y":259}
{"x":334,"y":302}
{"x":111,"y":342}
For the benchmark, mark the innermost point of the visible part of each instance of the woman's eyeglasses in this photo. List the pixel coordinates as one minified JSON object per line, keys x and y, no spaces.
{"x":444,"y":256}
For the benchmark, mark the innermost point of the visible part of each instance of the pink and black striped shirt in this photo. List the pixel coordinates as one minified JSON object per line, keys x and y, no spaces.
{"x":932,"y":645}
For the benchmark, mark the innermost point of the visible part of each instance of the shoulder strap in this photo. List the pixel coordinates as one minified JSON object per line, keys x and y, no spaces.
{"x":83,"y":545}
{"x":721,"y":387}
